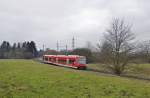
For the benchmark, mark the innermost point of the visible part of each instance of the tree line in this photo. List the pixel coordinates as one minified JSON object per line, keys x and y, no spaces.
{"x":25,"y":50}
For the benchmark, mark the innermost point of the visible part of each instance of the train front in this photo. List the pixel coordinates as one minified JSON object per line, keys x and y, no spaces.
{"x":81,"y":62}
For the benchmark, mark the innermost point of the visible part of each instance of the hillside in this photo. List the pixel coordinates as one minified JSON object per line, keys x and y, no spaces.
{"x":30,"y":79}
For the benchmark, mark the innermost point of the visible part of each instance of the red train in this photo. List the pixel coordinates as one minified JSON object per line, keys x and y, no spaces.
{"x":73,"y":61}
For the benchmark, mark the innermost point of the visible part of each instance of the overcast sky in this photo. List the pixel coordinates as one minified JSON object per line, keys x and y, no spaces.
{"x":49,"y":21}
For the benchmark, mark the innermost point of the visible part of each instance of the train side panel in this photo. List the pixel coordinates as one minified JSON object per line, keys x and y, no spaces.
{"x":69,"y":61}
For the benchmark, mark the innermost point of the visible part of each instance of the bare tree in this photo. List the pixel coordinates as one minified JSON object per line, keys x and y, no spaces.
{"x":117,"y":46}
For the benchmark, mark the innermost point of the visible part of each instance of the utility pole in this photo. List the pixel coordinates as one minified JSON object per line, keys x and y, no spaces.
{"x":66,"y":50}
{"x":57,"y":46}
{"x":43,"y":47}
{"x":73,"y":43}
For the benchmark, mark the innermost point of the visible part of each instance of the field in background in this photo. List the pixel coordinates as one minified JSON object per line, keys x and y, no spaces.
{"x":135,"y":70}
{"x":30,"y":79}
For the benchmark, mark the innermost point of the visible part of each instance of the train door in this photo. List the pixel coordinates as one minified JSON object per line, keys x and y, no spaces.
{"x":67,"y":61}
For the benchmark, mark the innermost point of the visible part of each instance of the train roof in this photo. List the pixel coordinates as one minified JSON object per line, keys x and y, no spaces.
{"x":70,"y":56}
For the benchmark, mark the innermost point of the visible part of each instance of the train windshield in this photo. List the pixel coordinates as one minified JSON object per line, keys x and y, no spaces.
{"x":82,"y":60}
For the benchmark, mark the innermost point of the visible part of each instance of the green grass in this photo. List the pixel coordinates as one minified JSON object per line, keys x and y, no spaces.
{"x":137,"y":70}
{"x":30,"y":79}
{"x":142,"y":70}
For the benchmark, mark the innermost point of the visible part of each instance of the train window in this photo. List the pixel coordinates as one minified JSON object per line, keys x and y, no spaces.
{"x":71,"y":61}
{"x":46,"y":58}
{"x":62,"y":61}
{"x":52,"y":60}
{"x":81,"y":60}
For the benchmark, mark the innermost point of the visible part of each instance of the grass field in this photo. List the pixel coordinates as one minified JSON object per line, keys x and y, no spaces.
{"x":30,"y":79}
{"x":137,"y":70}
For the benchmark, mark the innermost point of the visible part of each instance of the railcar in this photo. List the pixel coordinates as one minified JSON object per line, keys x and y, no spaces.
{"x":73,"y":61}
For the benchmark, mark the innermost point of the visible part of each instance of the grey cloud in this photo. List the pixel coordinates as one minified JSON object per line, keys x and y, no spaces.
{"x":46,"y":21}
